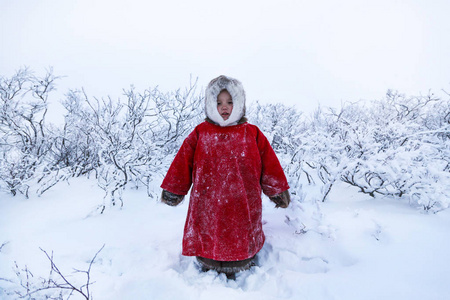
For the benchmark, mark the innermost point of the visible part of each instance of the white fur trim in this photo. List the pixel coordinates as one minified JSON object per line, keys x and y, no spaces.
{"x":236,"y":90}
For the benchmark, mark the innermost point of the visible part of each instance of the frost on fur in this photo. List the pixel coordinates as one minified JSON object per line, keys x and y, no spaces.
{"x":236,"y":90}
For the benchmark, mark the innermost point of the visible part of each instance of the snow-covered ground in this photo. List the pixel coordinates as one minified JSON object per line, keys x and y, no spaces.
{"x":351,"y":247}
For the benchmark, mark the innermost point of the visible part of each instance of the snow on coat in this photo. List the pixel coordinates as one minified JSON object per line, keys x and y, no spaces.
{"x":228,"y":166}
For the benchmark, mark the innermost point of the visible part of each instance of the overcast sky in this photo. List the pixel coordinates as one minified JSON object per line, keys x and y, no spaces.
{"x":295,"y":52}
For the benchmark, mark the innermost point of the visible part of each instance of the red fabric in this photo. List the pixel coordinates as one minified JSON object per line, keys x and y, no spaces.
{"x":228,"y":167}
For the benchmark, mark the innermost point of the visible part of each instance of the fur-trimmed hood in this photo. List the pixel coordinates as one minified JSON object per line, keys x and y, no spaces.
{"x":236,"y":90}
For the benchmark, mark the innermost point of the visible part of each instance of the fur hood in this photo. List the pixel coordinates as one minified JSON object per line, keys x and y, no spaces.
{"x":236,"y":90}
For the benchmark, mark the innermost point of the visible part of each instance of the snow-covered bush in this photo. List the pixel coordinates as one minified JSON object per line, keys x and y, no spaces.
{"x":174,"y":116}
{"x":24,"y":138}
{"x":125,"y":142}
{"x":324,"y":151}
{"x":395,"y":154}
{"x":283,"y":127}
{"x":396,"y":147}
{"x":74,"y":146}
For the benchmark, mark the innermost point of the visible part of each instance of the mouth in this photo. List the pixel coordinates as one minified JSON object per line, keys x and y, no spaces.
{"x":225,"y":116}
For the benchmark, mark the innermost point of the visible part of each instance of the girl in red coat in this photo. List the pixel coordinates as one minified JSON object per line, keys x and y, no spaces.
{"x":229,"y":163}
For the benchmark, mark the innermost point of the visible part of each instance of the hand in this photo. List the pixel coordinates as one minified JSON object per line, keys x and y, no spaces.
{"x":171,"y":198}
{"x":281,"y":200}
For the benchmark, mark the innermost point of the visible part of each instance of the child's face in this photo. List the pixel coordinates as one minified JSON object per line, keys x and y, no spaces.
{"x":224,"y":104}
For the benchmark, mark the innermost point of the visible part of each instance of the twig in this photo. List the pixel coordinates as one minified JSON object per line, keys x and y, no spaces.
{"x":3,"y":245}
{"x":51,"y":284}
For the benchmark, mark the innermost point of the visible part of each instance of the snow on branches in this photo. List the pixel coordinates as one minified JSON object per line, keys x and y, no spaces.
{"x":397,"y":147}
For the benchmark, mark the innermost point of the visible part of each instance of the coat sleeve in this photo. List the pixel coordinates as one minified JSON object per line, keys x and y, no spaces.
{"x":273,"y":179}
{"x":178,"y":179}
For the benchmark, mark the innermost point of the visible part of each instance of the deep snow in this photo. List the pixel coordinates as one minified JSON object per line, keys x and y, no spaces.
{"x":351,"y":247}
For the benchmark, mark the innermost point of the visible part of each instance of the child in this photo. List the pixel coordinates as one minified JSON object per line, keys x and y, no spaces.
{"x":229,"y":162}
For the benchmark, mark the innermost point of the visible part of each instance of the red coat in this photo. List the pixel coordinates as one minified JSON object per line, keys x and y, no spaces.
{"x":228,"y":167}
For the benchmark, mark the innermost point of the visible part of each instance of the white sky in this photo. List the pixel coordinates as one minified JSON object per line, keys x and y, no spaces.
{"x":295,"y":52}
